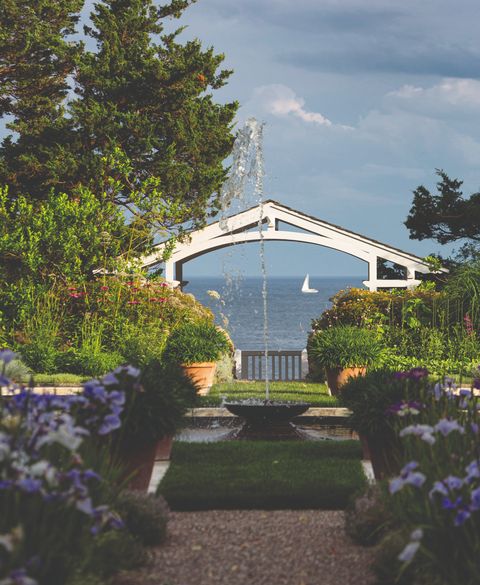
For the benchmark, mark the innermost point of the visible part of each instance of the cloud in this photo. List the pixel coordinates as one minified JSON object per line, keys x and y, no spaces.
{"x":459,"y":93}
{"x":281,"y":101}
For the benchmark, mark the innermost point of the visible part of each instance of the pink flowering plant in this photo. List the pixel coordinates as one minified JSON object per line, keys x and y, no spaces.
{"x":436,"y":495}
{"x":54,"y":504}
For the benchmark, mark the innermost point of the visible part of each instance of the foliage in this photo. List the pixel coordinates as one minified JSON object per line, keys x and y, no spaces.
{"x":463,"y":288}
{"x":18,"y":372}
{"x":262,"y":475}
{"x":315,"y":394}
{"x":446,"y":216}
{"x":93,"y":327}
{"x":113,"y":552}
{"x":364,"y":308}
{"x":420,"y":327}
{"x":367,"y":517}
{"x":435,"y":501}
{"x":54,"y":505}
{"x":370,"y":396}
{"x":37,"y":56}
{"x":343,"y":347}
{"x":225,"y":369}
{"x":86,"y":363}
{"x":159,"y":409}
{"x":145,"y":516}
{"x":62,"y":238}
{"x":141,"y":128}
{"x":40,"y":334}
{"x":196,"y":342}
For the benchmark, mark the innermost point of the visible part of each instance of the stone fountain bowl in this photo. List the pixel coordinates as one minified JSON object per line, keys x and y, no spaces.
{"x":266,"y":411}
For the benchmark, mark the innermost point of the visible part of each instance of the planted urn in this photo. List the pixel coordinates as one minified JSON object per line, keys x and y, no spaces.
{"x":344,"y":352}
{"x":196,"y":347}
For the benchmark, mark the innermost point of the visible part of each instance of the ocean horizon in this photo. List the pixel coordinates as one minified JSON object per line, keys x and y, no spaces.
{"x":290,"y":311}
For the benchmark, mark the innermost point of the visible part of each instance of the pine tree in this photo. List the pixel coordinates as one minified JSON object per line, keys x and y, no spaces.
{"x":36,"y":58}
{"x":142,"y":126}
{"x":148,"y":101}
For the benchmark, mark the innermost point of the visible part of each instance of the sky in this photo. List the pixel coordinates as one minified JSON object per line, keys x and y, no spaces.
{"x":362,"y":101}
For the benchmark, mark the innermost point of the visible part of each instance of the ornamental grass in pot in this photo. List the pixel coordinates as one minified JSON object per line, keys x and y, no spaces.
{"x":196,"y":347}
{"x":153,"y":412}
{"x":374,"y":400}
{"x":344,"y":352}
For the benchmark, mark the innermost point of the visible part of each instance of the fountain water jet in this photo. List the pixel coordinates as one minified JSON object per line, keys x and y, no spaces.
{"x":264,"y":419}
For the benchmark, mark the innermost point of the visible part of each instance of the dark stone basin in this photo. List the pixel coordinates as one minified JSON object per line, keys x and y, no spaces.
{"x":266,"y":419}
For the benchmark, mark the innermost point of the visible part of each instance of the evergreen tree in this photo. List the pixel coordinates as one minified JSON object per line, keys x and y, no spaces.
{"x":36,"y":59}
{"x":142,"y":128}
{"x":148,"y":101}
{"x":446,"y":216}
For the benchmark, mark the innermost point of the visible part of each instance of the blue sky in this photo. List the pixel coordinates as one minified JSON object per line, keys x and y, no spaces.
{"x":362,"y":101}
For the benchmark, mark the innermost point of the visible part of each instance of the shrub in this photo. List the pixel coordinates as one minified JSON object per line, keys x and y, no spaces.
{"x":17,"y":371}
{"x":81,"y":362}
{"x":343,"y":347}
{"x":158,"y":410}
{"x":370,"y":396}
{"x":367,"y":517}
{"x":113,"y":552}
{"x":364,"y":308}
{"x":196,"y":342}
{"x":55,"y":505}
{"x":145,"y":516}
{"x":435,"y":499}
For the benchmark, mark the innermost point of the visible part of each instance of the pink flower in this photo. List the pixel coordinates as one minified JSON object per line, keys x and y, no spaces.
{"x":104,"y":288}
{"x":134,"y":302}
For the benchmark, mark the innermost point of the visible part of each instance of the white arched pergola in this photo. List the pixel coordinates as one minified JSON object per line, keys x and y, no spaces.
{"x":314,"y":231}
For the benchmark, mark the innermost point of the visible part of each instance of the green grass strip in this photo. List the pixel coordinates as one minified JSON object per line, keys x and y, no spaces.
{"x":315,"y":394}
{"x":60,"y":379}
{"x":263,"y":475}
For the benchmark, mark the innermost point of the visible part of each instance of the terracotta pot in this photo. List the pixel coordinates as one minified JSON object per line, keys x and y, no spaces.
{"x":337,"y":377}
{"x":384,"y":452}
{"x":201,"y":374}
{"x":138,"y":459}
{"x":164,"y":448}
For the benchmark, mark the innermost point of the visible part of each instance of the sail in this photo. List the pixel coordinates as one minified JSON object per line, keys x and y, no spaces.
{"x":306,"y":283}
{"x":306,"y":286}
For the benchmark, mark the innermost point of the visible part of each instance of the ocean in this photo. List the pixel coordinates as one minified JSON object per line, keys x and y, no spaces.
{"x":290,"y":311}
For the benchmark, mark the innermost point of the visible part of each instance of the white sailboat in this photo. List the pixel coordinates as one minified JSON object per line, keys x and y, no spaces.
{"x":306,"y":286}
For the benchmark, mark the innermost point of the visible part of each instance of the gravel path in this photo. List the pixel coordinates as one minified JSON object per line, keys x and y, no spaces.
{"x":253,"y":547}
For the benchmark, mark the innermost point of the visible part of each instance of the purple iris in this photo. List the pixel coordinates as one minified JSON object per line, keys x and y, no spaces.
{"x":29,"y":485}
{"x":110,"y":423}
{"x":473,"y":471}
{"x":445,"y":426}
{"x":475,"y":499}
{"x":449,"y":504}
{"x":7,"y":355}
{"x":438,"y":488}
{"x":461,"y":516}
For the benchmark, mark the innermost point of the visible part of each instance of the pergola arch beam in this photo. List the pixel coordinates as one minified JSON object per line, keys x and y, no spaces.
{"x":315,"y":231}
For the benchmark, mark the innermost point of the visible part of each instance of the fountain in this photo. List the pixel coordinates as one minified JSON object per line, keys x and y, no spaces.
{"x":264,"y":419}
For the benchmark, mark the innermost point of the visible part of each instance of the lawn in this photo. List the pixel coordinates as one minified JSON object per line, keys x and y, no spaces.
{"x":60,"y":379}
{"x":263,"y":475}
{"x":315,"y":394}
